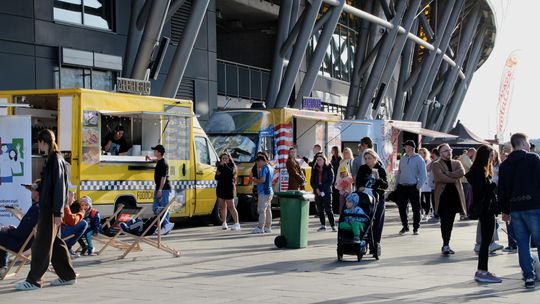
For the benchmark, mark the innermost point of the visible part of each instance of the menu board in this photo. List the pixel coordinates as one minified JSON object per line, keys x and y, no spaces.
{"x":176,"y":133}
{"x":91,"y":149}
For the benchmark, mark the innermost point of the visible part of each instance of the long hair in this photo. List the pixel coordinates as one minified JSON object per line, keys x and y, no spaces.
{"x":496,"y":158}
{"x":316,"y":166}
{"x":483,"y":160}
{"x":350,"y":152}
{"x":426,"y":153}
{"x":230,"y":164}
{"x":336,"y":152}
{"x":47,"y":136}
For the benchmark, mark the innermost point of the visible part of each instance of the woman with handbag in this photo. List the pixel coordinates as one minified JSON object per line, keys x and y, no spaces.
{"x":484,"y":206}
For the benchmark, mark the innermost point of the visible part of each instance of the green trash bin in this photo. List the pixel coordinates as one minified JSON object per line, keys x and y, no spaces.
{"x":294,"y":210}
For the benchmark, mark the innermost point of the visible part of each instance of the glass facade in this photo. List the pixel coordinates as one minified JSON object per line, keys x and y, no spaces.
{"x":242,"y":81}
{"x":92,"y":13}
{"x":68,"y":77}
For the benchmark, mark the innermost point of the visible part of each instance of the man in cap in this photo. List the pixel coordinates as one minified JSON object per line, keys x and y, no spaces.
{"x":13,"y":237}
{"x":163,"y":187}
{"x":409,"y":179}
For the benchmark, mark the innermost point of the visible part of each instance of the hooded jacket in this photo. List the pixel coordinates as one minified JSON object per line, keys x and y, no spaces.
{"x":519,"y":182}
{"x":53,"y":188}
{"x":355,"y":214}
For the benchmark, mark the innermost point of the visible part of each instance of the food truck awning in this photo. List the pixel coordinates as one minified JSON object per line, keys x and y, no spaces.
{"x":422,"y":131}
{"x":141,"y":113}
{"x":332,"y":118}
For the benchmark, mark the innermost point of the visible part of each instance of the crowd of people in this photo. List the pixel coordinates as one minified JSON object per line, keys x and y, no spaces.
{"x":436,"y":185}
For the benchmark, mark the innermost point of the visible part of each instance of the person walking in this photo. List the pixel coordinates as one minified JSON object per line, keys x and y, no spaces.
{"x":226,"y":174}
{"x":265,"y":194}
{"x":449,"y":196}
{"x":410,"y":177}
{"x":483,"y":191}
{"x":297,"y":178}
{"x":373,"y":178}
{"x":335,"y":161}
{"x":48,"y":247}
{"x":519,"y":196}
{"x":425,"y":190}
{"x":321,"y":181}
{"x":163,"y":188}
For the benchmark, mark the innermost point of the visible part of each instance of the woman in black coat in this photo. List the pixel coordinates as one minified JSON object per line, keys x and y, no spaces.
{"x":484,"y":201}
{"x":225,"y":190}
{"x":322,"y":179}
{"x":372,"y":175}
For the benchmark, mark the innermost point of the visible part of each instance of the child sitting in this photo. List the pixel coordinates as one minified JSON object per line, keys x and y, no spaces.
{"x":93,"y":219}
{"x":344,"y":183}
{"x":353,"y":217}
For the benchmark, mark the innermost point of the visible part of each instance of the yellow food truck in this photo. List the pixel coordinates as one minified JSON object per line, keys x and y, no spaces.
{"x":245,"y":132}
{"x":84,"y":120}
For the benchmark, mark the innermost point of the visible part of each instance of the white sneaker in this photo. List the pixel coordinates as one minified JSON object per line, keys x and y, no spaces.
{"x":3,"y":271}
{"x":224,"y":226}
{"x":257,"y":230}
{"x":477,"y":248}
{"x":267,"y":230}
{"x":62,"y":282}
{"x":494,"y":247}
{"x":235,"y":227}
{"x":25,"y":286}
{"x":322,"y":228}
{"x":167,"y":228}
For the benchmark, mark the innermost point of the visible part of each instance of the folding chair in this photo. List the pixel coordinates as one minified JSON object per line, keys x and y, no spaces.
{"x":124,"y":215}
{"x":19,"y":255}
{"x":155,"y":243}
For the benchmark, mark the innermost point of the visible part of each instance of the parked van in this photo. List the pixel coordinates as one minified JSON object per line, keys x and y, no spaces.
{"x":84,"y":120}
{"x":244,"y":132}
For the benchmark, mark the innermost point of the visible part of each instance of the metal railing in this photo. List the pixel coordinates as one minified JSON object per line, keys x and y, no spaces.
{"x":242,"y":81}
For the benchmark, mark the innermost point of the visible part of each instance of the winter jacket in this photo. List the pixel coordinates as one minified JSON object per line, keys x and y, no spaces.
{"x":519,"y":182}
{"x":483,"y":189}
{"x":442,"y":177}
{"x":53,"y":188}
{"x":297,"y":177}
{"x":93,"y":218}
{"x":324,"y":185}
{"x":364,"y":178}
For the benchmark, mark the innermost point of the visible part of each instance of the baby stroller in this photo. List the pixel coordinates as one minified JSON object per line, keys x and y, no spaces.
{"x":345,"y":241}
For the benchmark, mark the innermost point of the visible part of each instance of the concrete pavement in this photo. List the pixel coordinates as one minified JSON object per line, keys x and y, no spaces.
{"x":237,"y":267}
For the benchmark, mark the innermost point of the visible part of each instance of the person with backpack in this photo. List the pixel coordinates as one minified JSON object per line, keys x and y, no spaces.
{"x":484,"y":207}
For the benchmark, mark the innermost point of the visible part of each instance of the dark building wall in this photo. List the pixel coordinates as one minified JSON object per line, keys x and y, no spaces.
{"x":255,"y":48}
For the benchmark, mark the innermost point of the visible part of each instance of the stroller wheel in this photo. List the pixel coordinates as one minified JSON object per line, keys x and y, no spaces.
{"x":280,"y":241}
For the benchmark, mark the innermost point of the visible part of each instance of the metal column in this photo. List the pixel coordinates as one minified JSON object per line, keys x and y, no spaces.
{"x":380,"y":62}
{"x":459,"y":94}
{"x":450,"y":80}
{"x":150,"y":37}
{"x":133,"y":39}
{"x":404,"y":72}
{"x":184,"y":48}
{"x":408,"y":21}
{"x":356,"y":79}
{"x":318,"y":54}
{"x":278,"y":61}
{"x":297,"y":54}
{"x":427,"y":64}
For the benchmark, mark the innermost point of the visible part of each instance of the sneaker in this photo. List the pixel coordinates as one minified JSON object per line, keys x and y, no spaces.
{"x":404,"y":230}
{"x":446,"y":250}
{"x":92,"y":252}
{"x":476,"y":248}
{"x":530,"y":283}
{"x":415,"y":232}
{"x":357,"y":240}
{"x":334,"y":229}
{"x":486,"y":277}
{"x":25,"y":286}
{"x":167,"y":228}
{"x":322,"y":228}
{"x":463,"y":217}
{"x":124,"y":227}
{"x":267,"y":230}
{"x":73,"y":254}
{"x":3,"y":271}
{"x":434,"y":219}
{"x":495,"y":246}
{"x":62,"y":282}
{"x":235,"y":227}
{"x":224,"y":226}
{"x":510,"y":249}
{"x":257,"y":230}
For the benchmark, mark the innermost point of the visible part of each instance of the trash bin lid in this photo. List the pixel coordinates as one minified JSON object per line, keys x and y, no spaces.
{"x":308,"y":196}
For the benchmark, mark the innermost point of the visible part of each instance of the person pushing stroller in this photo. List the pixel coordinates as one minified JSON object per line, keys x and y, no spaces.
{"x":353,"y":217}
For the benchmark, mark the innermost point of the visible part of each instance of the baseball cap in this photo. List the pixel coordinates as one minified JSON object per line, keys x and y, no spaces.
{"x":409,"y":143}
{"x":159,"y":148}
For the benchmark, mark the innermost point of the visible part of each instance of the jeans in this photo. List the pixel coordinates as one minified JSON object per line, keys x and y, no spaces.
{"x":526,"y":224}
{"x":264,"y":207}
{"x":408,"y":194}
{"x":160,"y":203}
{"x":76,"y":230}
{"x":88,"y":237}
{"x":487,"y":226}
{"x":511,"y":236}
{"x":324,"y":204}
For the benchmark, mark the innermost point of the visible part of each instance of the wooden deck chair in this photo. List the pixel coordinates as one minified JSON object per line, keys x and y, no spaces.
{"x":155,"y":243}
{"x":124,"y":215}
{"x":17,"y":256}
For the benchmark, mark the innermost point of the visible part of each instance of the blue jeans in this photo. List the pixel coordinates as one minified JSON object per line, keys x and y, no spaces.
{"x":77,"y":230}
{"x":160,"y":203}
{"x":511,"y":236}
{"x":526,"y":224}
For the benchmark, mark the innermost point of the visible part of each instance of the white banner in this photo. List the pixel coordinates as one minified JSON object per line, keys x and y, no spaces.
{"x":505,"y":93}
{"x":15,"y":166}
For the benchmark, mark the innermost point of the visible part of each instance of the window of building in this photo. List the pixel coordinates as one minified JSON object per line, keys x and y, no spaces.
{"x":92,"y":13}
{"x":70,"y":77}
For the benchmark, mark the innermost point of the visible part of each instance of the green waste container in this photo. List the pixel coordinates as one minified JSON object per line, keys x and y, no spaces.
{"x":294,"y":210}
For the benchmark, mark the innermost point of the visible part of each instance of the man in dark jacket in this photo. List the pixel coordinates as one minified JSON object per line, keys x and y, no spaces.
{"x":519,"y":196}
{"x":14,"y":237}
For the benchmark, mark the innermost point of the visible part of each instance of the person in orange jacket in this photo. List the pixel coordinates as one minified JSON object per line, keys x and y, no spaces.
{"x":73,"y":225}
